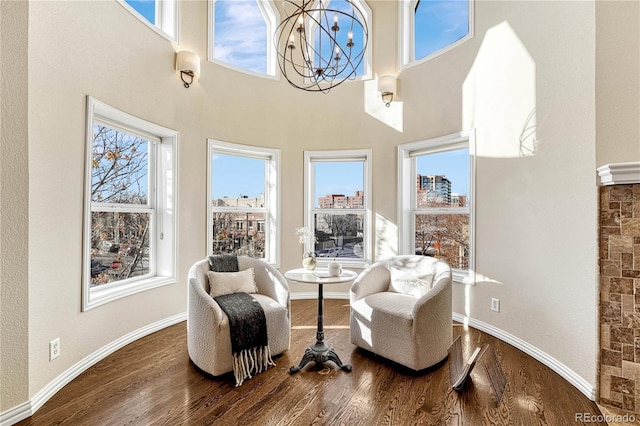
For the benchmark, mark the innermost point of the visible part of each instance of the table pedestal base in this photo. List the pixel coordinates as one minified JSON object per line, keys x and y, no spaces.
{"x":319,"y":353}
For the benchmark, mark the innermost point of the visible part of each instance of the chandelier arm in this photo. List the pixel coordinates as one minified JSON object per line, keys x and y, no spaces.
{"x":336,"y":65}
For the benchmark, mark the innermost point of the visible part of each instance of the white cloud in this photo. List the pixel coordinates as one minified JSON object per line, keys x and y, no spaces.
{"x":240,"y":34}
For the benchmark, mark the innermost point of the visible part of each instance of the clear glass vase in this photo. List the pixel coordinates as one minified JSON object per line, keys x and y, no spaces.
{"x":309,"y":261}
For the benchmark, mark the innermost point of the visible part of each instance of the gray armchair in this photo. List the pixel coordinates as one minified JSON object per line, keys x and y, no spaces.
{"x":208,"y":335}
{"x":401,"y":310}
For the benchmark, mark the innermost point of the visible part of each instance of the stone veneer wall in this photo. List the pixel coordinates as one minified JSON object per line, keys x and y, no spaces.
{"x":619,"y":366}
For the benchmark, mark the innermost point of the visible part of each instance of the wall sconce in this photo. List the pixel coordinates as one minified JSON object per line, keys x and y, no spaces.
{"x":387,"y":86}
{"x":188,"y":64}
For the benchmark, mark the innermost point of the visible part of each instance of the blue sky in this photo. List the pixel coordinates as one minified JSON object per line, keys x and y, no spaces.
{"x":232,"y":176}
{"x":146,"y":8}
{"x":453,"y":164}
{"x":439,"y":23}
{"x":338,"y":177}
{"x":240,"y":35}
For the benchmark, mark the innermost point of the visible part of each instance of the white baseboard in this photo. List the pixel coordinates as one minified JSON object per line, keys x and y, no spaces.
{"x":565,"y":372}
{"x":16,"y":414}
{"x":27,"y":409}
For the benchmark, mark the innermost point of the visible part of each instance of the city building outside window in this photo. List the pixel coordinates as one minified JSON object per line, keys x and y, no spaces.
{"x":243,"y":200}
{"x":429,"y":28}
{"x":338,"y":205}
{"x":437,"y":200}
{"x":160,"y":15}
{"x":129,"y":224}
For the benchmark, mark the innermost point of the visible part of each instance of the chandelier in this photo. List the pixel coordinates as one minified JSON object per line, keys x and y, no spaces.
{"x":316,"y":46}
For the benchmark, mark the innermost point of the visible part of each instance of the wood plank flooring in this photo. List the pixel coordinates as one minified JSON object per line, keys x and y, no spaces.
{"x":153,"y":382}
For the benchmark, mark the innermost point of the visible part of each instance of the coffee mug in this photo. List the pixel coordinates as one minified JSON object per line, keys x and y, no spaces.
{"x":335,"y":269}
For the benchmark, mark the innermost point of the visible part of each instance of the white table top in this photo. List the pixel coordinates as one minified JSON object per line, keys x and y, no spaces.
{"x":319,"y":276}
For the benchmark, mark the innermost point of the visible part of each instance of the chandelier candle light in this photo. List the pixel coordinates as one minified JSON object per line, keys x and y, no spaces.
{"x":316,"y":46}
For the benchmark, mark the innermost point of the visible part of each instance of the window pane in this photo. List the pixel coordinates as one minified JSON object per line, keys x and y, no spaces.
{"x":443,"y":179}
{"x":146,"y":8}
{"x":445,"y":236}
{"x":237,"y":181}
{"x":240,"y":35}
{"x":339,"y":235}
{"x":239,"y":233}
{"x":339,"y":184}
{"x":119,"y":246}
{"x":323,"y":40}
{"x":439,"y":23}
{"x":120,"y":164}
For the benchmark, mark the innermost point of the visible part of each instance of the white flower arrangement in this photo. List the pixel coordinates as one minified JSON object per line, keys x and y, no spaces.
{"x":307,"y":239}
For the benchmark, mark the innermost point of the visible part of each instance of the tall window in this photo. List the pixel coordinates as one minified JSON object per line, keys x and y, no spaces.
{"x":436,"y":187}
{"x":432,"y":27}
{"x":241,"y":34}
{"x":337,"y":204}
{"x":161,"y":15}
{"x":243,"y":197}
{"x":130,"y":195}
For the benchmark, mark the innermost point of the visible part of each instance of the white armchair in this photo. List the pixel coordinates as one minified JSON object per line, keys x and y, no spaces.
{"x":208,"y":335}
{"x":401,"y":310}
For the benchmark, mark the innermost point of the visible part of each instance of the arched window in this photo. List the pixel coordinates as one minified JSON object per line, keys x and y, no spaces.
{"x":432,"y":27}
{"x":241,"y":35}
{"x":161,"y":15}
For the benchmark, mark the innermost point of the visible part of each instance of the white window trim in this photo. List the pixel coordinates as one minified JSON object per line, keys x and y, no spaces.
{"x":406,"y":194}
{"x":166,"y":222}
{"x":167,"y":15}
{"x":271,"y":17}
{"x":309,"y":201}
{"x":406,"y":35}
{"x":271,"y":196}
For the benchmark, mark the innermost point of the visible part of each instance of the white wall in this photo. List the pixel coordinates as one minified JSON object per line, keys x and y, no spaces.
{"x":618,"y":81}
{"x":14,"y":188}
{"x":536,"y":208}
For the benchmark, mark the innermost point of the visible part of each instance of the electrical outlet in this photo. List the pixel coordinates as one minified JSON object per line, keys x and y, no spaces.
{"x":54,"y":349}
{"x":495,"y":304}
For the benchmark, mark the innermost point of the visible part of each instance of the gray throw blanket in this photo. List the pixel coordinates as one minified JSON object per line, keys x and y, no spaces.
{"x":247,"y":324}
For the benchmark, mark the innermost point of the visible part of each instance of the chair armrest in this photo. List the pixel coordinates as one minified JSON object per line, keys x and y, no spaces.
{"x":374,"y":279}
{"x":435,"y":305}
{"x":202,"y":308}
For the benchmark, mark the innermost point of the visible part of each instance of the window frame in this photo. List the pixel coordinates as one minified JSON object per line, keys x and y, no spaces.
{"x":271,"y":17}
{"x":163,"y":163}
{"x":167,"y":18}
{"x":407,"y":205}
{"x":309,"y":202}
{"x":271,"y":195}
{"x":406,"y":36}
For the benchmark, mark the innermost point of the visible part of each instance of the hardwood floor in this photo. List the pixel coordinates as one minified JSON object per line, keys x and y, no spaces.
{"x":153,"y":382}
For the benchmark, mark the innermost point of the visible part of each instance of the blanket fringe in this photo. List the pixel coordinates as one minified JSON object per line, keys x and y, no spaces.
{"x":251,"y":361}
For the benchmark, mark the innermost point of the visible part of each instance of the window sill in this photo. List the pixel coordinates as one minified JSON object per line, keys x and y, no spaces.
{"x":99,"y":296}
{"x":323,"y":262}
{"x":462,"y":277}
